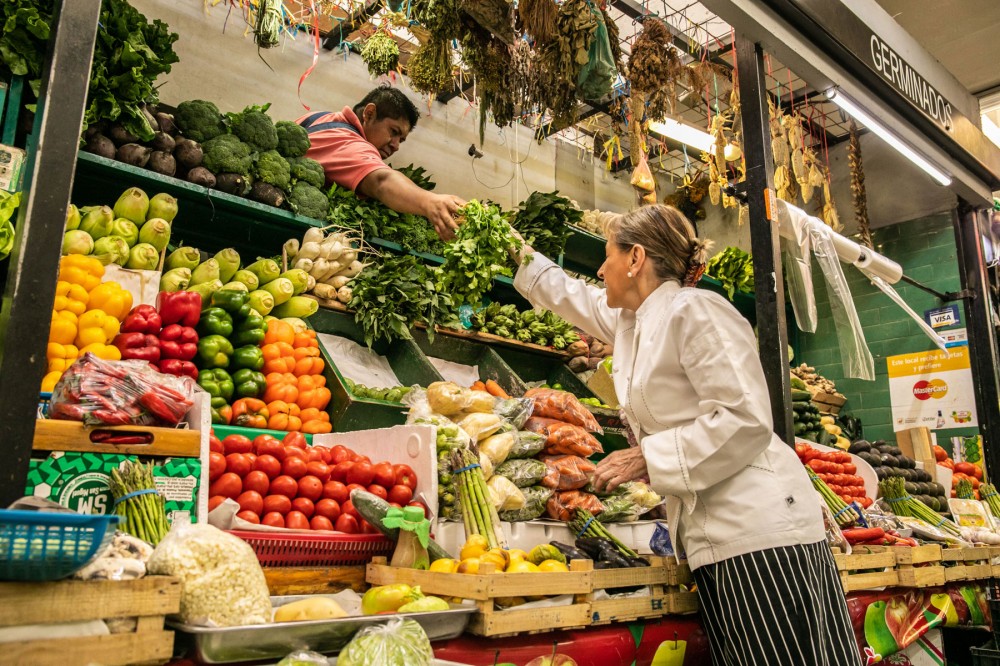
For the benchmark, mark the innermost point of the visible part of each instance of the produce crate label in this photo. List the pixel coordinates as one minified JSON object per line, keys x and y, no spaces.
{"x":80,"y":481}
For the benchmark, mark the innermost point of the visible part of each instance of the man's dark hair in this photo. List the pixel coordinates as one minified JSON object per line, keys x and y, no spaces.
{"x":389,"y":103}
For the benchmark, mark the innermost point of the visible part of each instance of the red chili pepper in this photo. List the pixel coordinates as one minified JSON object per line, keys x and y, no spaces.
{"x":860,"y":534}
{"x":140,"y":346}
{"x":180,"y":342}
{"x":179,"y":307}
{"x":173,"y":366}
{"x":142,"y":319}
{"x":158,"y":408}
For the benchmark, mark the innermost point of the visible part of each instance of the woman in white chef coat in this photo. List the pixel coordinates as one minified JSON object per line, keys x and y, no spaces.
{"x":738,"y":500}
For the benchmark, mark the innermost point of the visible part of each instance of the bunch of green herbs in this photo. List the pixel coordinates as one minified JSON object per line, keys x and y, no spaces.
{"x":477,"y":254}
{"x":541,"y":220}
{"x":733,"y":268}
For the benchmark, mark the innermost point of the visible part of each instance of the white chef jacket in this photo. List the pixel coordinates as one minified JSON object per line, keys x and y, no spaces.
{"x":687,"y":374}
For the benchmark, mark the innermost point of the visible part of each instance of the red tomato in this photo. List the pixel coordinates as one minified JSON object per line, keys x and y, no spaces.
{"x":304,"y":506}
{"x":257,"y":481}
{"x":228,"y":485}
{"x":367,"y":528}
{"x":320,"y":523}
{"x":238,"y":464}
{"x":285,"y":485}
{"x":296,"y":439}
{"x":361,"y":473}
{"x":347,"y":524}
{"x":336,"y":491}
{"x":354,"y":486}
{"x":378,"y":491}
{"x":252,"y":457}
{"x":265,"y":445}
{"x":274,"y":519}
{"x":294,"y":467}
{"x":277,"y":504}
{"x":328,"y":509}
{"x":319,"y":469}
{"x":405,"y":476}
{"x":268,"y":464}
{"x":348,"y":508}
{"x":295,"y":452}
{"x":311,"y":487}
{"x":341,"y":453}
{"x":421,"y":505}
{"x":400,"y":494}
{"x":237,"y":444}
{"x":216,"y":465}
{"x":215,"y":444}
{"x":384,"y":475}
{"x":249,"y":516}
{"x":395,"y":506}
{"x":359,"y":458}
{"x":215,"y":501}
{"x":327,"y":456}
{"x":296,"y":520}
{"x":251,"y":501}
{"x":313,"y":454}
{"x":339,"y":471}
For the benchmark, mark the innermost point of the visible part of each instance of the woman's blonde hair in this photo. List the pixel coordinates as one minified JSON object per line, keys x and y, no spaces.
{"x":668,"y":238}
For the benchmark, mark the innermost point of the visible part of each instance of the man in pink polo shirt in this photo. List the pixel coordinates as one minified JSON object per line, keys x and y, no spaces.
{"x":352,"y":144}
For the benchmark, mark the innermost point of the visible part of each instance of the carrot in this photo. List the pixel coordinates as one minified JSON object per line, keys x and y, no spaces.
{"x":478,"y":386}
{"x":495,"y":389}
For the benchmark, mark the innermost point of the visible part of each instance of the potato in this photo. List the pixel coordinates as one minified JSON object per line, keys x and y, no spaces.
{"x":315,"y":608}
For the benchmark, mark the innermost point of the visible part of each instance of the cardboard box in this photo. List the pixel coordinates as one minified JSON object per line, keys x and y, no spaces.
{"x":601,"y":384}
{"x":917,"y":443}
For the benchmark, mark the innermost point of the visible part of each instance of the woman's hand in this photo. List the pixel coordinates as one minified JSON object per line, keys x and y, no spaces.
{"x":518,"y":254}
{"x":619,"y":467}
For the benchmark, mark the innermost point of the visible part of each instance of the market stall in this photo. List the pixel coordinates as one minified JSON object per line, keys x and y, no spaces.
{"x":341,"y":434}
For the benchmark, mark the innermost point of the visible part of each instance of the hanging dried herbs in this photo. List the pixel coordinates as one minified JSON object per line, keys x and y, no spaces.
{"x":523,"y":77}
{"x":496,"y":16}
{"x":380,"y":54}
{"x":830,"y":215}
{"x":439,"y":17}
{"x":859,"y":197}
{"x":615,"y":39}
{"x":538,"y":19}
{"x":655,"y":68}
{"x":430,"y":67}
{"x":489,"y":59}
{"x":562,"y":59}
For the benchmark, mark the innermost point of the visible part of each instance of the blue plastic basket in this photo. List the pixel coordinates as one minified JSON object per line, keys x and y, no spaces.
{"x":36,"y":545}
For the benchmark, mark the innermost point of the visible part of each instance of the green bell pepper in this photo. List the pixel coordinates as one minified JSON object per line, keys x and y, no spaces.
{"x":236,"y":303}
{"x":214,"y":351}
{"x":250,"y":331}
{"x":218,"y":384}
{"x":249,"y":383}
{"x":215,"y":321}
{"x":248,"y":356}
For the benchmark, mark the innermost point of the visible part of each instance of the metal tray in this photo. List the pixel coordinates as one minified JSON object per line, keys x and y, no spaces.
{"x":226,"y":645}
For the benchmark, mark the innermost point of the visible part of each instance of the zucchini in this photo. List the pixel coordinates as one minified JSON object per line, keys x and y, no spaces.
{"x":800,"y":428}
{"x":798,"y":384}
{"x":801,"y":406}
{"x":373,"y":509}
{"x":799,"y":394}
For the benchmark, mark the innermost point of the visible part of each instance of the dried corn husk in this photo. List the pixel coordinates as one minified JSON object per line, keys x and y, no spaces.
{"x":714,"y":192}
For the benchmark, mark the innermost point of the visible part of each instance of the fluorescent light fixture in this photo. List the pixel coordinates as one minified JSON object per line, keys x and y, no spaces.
{"x":848,"y":105}
{"x":990,"y":129}
{"x":686,"y":134}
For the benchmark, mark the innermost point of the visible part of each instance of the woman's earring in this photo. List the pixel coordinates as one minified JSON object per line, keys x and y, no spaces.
{"x":630,"y":273}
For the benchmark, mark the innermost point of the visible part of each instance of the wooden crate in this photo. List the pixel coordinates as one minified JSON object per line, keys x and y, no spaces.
{"x":919,"y":566}
{"x":828,"y":403}
{"x":147,"y":599}
{"x":967,"y":563}
{"x":660,"y":577}
{"x":56,"y":435}
{"x":867,"y":568}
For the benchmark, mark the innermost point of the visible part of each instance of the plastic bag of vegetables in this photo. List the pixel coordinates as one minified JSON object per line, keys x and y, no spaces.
{"x":628,"y":501}
{"x":527,"y":445}
{"x":304,"y":658}
{"x":562,"y":406}
{"x":504,"y":494}
{"x":222,"y":583}
{"x":535,"y":498}
{"x":522,"y":472}
{"x":398,"y":642}
{"x":497,"y":447}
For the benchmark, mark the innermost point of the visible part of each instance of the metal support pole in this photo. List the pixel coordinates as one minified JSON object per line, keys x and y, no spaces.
{"x":772,"y":333}
{"x":34,"y":261}
{"x":982,"y":338}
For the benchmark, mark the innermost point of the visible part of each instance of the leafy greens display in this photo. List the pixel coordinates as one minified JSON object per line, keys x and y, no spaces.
{"x":541,"y":220}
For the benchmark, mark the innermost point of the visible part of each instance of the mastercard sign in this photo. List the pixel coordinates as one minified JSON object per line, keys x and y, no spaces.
{"x":925,"y":390}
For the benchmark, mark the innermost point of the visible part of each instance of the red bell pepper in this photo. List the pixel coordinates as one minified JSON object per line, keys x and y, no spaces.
{"x":180,"y":342}
{"x":138,"y":346}
{"x":179,"y":307}
{"x":142,"y":319}
{"x":173,"y":366}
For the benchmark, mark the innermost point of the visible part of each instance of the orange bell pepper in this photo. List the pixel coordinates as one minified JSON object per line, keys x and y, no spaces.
{"x":306,"y":338}
{"x":281,"y":378}
{"x":313,"y":414}
{"x":250,"y":413}
{"x":226,"y":412}
{"x":281,"y":390}
{"x":315,"y":427}
{"x":279,"y":331}
{"x":278,"y":357}
{"x":283,"y":416}
{"x":309,"y":366}
{"x":312,"y":394}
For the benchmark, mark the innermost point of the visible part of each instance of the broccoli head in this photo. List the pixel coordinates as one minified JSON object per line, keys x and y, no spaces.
{"x":227,"y":154}
{"x":254,"y":127}
{"x":309,"y":201}
{"x":293,"y":139}
{"x":273,"y":169}
{"x":308,"y":170}
{"x":199,"y":120}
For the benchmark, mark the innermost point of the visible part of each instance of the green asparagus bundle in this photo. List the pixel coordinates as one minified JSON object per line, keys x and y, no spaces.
{"x":893,"y":491}
{"x":136,"y":500}
{"x":964,"y":490}
{"x":478,"y":512}
{"x":584,"y":524}
{"x":989,"y":494}
{"x":844,"y":515}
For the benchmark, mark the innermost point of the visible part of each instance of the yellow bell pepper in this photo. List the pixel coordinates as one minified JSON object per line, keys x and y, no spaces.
{"x":106,"y":352}
{"x":71,"y":297}
{"x":80,"y":269}
{"x":112,"y":299}
{"x":50,"y":380}
{"x":96,"y":326}
{"x":63,"y":329}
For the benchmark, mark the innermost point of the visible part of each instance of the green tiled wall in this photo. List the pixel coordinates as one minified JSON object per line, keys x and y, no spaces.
{"x":925,"y":248}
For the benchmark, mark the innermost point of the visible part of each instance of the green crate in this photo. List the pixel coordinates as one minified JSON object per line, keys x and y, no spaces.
{"x":468,"y":352}
{"x":223,"y":431}
{"x":348,"y":412}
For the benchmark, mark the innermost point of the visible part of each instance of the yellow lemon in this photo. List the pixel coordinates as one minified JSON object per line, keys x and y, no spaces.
{"x":446,"y":565}
{"x":500,"y":552}
{"x":497,"y":560}
{"x":468,"y":565}
{"x":517,"y":554}
{"x":469,"y":551}
{"x":522,"y":566}
{"x":552,"y":565}
{"x":477,"y":540}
